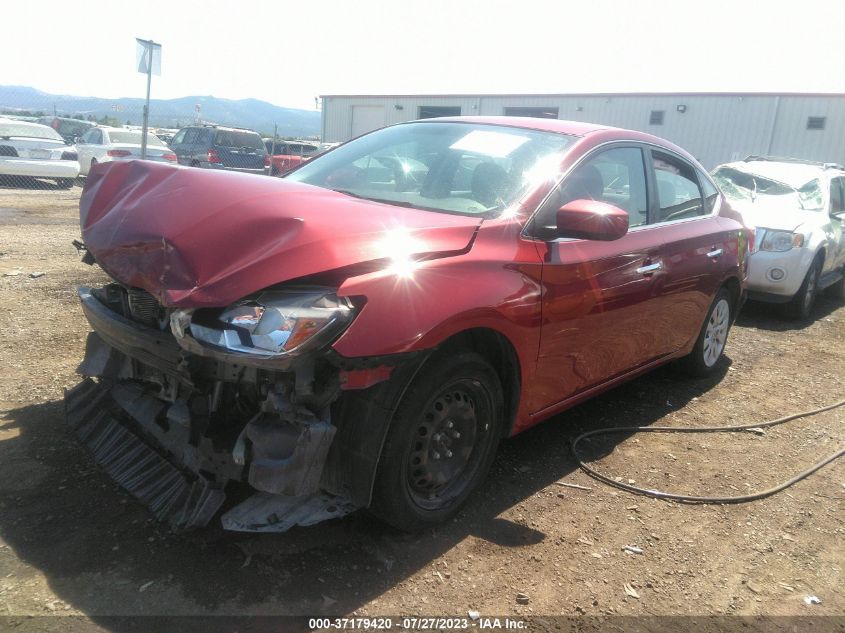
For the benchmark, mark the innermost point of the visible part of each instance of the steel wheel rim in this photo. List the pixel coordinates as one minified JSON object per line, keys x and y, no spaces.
{"x":716,"y":332}
{"x":448,"y":445}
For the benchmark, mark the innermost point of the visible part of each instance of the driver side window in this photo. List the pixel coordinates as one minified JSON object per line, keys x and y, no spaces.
{"x":615,"y":176}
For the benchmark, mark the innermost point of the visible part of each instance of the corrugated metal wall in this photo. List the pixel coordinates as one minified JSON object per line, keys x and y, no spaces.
{"x":715,"y":128}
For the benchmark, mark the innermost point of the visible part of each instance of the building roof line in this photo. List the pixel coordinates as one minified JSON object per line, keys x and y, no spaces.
{"x":590,"y":94}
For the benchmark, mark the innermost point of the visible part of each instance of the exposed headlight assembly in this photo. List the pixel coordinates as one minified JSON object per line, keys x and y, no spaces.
{"x":780,"y":241}
{"x":275,"y":324}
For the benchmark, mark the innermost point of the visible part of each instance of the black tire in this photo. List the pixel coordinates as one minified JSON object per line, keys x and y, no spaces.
{"x":455,"y":402}
{"x":712,"y":340}
{"x":801,"y":305}
{"x":64,"y":183}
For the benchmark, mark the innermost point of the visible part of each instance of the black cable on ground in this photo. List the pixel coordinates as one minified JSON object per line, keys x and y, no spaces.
{"x":704,"y":429}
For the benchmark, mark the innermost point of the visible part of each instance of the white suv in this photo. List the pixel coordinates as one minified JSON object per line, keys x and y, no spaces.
{"x":798,"y":210}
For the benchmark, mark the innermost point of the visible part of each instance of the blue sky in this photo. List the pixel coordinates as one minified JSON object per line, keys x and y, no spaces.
{"x":289,"y":52}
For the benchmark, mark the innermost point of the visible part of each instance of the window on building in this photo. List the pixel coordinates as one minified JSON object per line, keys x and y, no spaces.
{"x":430,"y":112}
{"x":816,"y":122}
{"x":537,"y":113}
{"x":656,"y":117}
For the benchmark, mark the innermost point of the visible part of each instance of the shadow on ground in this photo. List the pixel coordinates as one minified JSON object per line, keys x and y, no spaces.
{"x":769,"y":316}
{"x":35,"y":184}
{"x":97,"y":547}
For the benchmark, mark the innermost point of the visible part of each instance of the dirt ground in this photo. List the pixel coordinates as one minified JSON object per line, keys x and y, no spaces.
{"x":72,"y":542}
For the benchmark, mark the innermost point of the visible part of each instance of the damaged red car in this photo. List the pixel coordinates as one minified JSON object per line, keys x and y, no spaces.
{"x":364,"y":332}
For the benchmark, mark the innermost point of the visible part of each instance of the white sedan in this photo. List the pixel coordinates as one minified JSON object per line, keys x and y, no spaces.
{"x":104,"y":144}
{"x":36,"y":151}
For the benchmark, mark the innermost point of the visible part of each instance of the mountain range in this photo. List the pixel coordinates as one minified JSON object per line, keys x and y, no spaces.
{"x":171,"y":113}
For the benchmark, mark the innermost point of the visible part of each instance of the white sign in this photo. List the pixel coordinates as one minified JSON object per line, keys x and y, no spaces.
{"x":147,"y":53}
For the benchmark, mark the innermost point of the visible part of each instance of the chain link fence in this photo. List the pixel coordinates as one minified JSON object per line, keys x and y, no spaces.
{"x":51,"y":142}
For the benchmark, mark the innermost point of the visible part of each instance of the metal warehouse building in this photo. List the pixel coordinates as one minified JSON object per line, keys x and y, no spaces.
{"x":715,"y":127}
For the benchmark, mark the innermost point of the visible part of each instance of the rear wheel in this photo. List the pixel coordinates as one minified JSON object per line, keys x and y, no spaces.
{"x":64,"y":183}
{"x":441,"y":442}
{"x":710,"y":345}
{"x":802,"y":303}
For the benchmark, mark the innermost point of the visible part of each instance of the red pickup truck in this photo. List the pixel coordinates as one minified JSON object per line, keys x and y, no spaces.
{"x":285,"y":155}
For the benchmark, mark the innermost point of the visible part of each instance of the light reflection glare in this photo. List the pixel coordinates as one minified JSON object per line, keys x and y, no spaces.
{"x":399,"y":246}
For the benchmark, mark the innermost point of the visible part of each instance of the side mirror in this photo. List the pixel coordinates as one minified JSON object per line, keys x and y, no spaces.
{"x":591,"y":220}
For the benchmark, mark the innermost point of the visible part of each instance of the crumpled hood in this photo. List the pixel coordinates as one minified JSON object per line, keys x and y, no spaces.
{"x":194,"y":237}
{"x":772,"y":214}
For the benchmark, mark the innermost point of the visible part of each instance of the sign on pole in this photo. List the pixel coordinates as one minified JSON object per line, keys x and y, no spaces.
{"x":148,"y":59}
{"x":144,"y":51}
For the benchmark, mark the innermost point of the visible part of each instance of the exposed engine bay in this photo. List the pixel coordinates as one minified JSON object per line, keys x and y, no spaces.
{"x":176,"y":427}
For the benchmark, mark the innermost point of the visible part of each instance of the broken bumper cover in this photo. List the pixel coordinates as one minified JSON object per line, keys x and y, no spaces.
{"x":149,"y":423}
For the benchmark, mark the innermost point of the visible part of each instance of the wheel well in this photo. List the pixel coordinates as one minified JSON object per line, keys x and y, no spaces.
{"x":500,"y":353}
{"x":733,"y":287}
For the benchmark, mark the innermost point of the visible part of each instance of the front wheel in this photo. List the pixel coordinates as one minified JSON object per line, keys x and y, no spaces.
{"x":802,"y":303}
{"x":710,"y":345}
{"x":441,"y":442}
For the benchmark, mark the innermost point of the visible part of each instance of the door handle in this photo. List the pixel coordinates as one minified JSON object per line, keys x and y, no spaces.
{"x":716,"y":252}
{"x":650,"y":268}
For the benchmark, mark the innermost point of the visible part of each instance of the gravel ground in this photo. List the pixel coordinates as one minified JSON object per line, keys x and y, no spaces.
{"x":71,"y":542}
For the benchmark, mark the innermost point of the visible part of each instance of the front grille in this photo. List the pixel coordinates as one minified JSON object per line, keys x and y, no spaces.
{"x":143,"y":307}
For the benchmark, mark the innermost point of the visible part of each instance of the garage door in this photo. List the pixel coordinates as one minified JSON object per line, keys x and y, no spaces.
{"x":366,"y":118}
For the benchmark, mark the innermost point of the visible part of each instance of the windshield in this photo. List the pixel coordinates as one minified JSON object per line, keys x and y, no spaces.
{"x":459,"y":168}
{"x":134,"y":138}
{"x":741,"y":185}
{"x":31,"y":131}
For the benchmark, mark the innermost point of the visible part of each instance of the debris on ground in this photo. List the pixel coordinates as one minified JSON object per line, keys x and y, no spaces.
{"x":812,"y":600}
{"x":473,"y":615}
{"x":145,"y":586}
{"x":36,"y":275}
{"x":629,"y":590}
{"x":576,"y":486}
{"x":632,"y":549}
{"x":522,"y":598}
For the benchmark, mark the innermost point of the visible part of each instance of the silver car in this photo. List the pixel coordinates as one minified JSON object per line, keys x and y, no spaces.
{"x":798,"y":209}
{"x":35,"y":151}
{"x":104,"y":144}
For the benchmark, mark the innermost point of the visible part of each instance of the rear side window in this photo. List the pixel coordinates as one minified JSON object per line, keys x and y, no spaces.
{"x":180,"y":137}
{"x":711,"y":194}
{"x":837,"y":195}
{"x":678,"y":193}
{"x":237,"y":139}
{"x":192,"y":136}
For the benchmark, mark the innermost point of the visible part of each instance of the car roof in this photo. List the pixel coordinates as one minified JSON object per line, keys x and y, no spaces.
{"x":794,"y":174}
{"x":573,"y":128}
{"x":222,"y":127}
{"x":28,"y":124}
{"x":604,"y":133}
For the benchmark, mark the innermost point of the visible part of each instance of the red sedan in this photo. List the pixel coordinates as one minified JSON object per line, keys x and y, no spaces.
{"x":364,"y":332}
